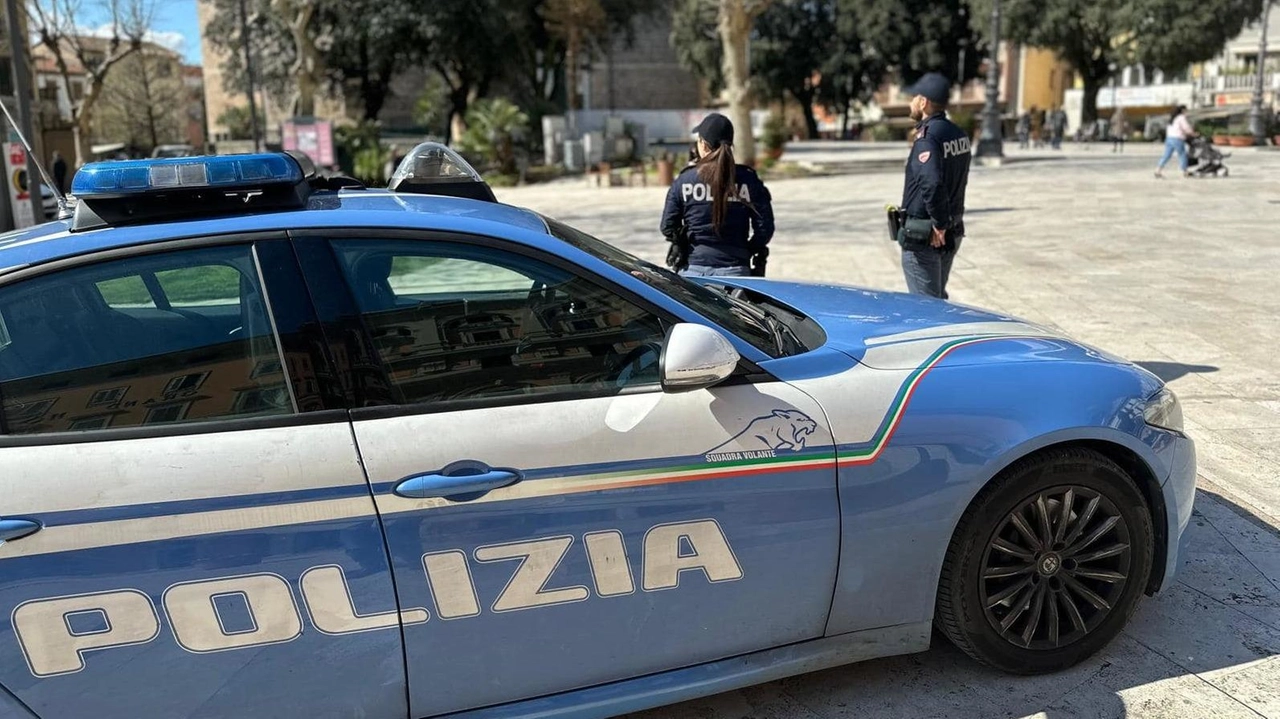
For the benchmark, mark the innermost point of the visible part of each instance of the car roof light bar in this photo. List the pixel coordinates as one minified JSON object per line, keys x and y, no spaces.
{"x":99,"y":180}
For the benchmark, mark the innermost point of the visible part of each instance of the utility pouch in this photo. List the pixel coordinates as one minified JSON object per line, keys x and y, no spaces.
{"x":916,"y":232}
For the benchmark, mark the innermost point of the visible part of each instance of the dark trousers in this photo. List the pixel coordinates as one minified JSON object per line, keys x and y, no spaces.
{"x":927,"y":269}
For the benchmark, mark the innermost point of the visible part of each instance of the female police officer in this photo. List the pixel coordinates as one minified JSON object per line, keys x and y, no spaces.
{"x":718,"y":211}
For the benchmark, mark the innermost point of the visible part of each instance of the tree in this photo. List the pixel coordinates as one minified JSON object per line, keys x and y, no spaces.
{"x":368,"y":43}
{"x":308,"y":65}
{"x":696,"y":41}
{"x":578,"y":24}
{"x":853,"y":69}
{"x":1096,"y":36}
{"x":144,"y":102}
{"x":920,"y":36}
{"x":53,"y":22}
{"x":270,"y":43}
{"x":794,"y":39}
{"x":238,"y":122}
{"x":735,"y":22}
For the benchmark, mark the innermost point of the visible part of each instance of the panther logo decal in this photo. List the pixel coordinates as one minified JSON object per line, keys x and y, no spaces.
{"x":785,"y":430}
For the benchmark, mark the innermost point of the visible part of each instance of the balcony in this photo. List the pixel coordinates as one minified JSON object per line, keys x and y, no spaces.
{"x":1237,"y":83}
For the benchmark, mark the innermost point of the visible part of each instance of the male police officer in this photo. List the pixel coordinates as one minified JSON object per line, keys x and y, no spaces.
{"x":933,"y":198}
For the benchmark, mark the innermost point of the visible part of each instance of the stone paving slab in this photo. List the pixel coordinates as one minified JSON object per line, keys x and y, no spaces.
{"x":1178,"y":275}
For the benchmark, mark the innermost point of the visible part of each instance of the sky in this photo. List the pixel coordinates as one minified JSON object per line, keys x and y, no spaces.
{"x":175,"y":26}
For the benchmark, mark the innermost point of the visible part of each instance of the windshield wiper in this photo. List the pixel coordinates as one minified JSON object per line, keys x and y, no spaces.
{"x":766,"y":319}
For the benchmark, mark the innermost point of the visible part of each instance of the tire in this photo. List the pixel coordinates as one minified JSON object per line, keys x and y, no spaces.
{"x":1028,"y":611}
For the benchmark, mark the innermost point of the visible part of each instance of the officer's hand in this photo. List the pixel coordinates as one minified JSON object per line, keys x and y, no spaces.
{"x":939,"y":237}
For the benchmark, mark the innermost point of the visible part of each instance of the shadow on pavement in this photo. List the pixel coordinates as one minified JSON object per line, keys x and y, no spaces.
{"x":1169,"y":371}
{"x":1205,"y":646}
{"x":987,"y":210}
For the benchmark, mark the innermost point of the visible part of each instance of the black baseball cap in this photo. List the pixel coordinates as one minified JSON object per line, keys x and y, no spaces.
{"x":934,"y":86}
{"x":715,"y":129}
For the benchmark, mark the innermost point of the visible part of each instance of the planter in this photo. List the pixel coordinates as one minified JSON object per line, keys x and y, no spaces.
{"x":773,"y":153}
{"x":1223,"y":140}
{"x":1276,"y":140}
{"x":666,"y":173}
{"x":1242,"y":141}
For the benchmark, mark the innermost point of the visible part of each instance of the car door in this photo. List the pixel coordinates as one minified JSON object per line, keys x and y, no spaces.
{"x":563,"y":521}
{"x":189,"y":529}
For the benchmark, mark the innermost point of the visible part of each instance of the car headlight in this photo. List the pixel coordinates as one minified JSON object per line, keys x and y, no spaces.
{"x":1164,"y":411}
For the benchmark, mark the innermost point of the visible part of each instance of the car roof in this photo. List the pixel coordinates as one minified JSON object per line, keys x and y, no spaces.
{"x":346,"y":208}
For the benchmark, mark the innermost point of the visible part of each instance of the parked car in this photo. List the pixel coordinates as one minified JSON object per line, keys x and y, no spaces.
{"x":276,"y":446}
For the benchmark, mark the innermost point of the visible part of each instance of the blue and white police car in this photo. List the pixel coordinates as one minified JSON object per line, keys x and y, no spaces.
{"x":275,"y":447}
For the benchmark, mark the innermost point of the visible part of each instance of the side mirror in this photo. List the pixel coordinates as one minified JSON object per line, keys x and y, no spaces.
{"x":695,"y":356}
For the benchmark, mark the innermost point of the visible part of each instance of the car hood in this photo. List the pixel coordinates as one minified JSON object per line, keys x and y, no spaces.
{"x":886,"y":330}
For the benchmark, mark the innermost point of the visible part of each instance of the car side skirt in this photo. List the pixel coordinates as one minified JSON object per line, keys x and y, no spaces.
{"x":716,"y":677}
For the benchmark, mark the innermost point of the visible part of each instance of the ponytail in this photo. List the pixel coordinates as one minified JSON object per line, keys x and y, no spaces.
{"x":719,"y":171}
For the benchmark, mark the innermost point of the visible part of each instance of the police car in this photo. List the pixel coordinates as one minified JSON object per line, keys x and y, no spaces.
{"x":277,"y":447}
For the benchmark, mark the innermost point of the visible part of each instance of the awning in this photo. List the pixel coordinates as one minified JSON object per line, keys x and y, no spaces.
{"x":1218,"y":113}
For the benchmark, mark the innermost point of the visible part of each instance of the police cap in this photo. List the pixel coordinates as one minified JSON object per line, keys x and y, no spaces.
{"x":935,"y":88}
{"x":715,"y":129}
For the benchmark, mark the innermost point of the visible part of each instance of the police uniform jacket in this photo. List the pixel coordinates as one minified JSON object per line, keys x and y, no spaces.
{"x":747,"y":226}
{"x":938,"y":174}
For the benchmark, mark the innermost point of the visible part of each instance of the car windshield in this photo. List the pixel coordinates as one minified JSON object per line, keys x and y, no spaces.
{"x":737,"y":317}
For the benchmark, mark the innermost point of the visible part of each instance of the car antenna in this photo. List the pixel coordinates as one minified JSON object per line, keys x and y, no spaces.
{"x":64,"y":208}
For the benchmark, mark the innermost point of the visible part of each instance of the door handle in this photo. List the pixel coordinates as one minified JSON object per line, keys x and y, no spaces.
{"x":11,"y":529}
{"x":461,"y":481}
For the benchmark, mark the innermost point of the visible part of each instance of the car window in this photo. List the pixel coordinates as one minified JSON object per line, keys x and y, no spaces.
{"x":710,"y":304}
{"x":200,"y":285}
{"x":87,"y":348}
{"x":453,"y":321}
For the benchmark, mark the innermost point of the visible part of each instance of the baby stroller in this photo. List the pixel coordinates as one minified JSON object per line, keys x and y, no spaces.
{"x":1204,"y":159}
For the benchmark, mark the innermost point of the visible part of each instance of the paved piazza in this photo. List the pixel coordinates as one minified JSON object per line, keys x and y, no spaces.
{"x":1178,"y":275}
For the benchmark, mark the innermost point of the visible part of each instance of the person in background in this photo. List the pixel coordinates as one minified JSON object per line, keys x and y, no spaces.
{"x":1024,"y":130}
{"x":934,"y":190}
{"x":1119,"y":129}
{"x":721,"y":209}
{"x":1057,"y":126}
{"x":1038,"y":128}
{"x":59,"y":171}
{"x":1175,"y":141}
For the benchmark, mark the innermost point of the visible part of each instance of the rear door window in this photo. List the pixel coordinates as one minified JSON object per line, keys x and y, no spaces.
{"x":157,"y":339}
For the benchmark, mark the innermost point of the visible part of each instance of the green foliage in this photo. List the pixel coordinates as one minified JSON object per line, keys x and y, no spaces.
{"x":853,"y":68}
{"x":494,"y":128}
{"x":239,"y":123}
{"x":965,"y":119}
{"x":775,"y":132}
{"x":919,"y":36}
{"x":431,"y":110}
{"x":696,"y":41}
{"x":1097,"y":35}
{"x":887,"y":133}
{"x":360,"y":151}
{"x":793,"y":41}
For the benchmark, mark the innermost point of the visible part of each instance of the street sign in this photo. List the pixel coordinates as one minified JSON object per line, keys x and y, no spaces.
{"x":314,"y":137}
{"x":15,"y":167}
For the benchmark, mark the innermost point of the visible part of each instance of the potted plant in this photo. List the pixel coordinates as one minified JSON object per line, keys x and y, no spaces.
{"x":666,"y":169}
{"x":774,"y":137}
{"x":1241,"y":138}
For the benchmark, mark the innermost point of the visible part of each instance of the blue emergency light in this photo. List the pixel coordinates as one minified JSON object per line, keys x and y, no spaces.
{"x":111,"y":194}
{"x":226,"y":172}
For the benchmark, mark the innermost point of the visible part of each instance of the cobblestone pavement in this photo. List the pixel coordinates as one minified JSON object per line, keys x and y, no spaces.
{"x":1178,"y":275}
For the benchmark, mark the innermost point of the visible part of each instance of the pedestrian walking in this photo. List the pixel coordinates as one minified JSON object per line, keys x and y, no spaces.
{"x":933,"y":193}
{"x":718,"y":215}
{"x":1057,"y":126}
{"x":1119,"y":129}
{"x":1038,"y":127}
{"x":1024,"y":131}
{"x":59,"y":172}
{"x":1175,"y":141}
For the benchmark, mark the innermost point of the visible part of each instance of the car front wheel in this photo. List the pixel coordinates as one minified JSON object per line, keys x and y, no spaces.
{"x":1047,"y":564}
